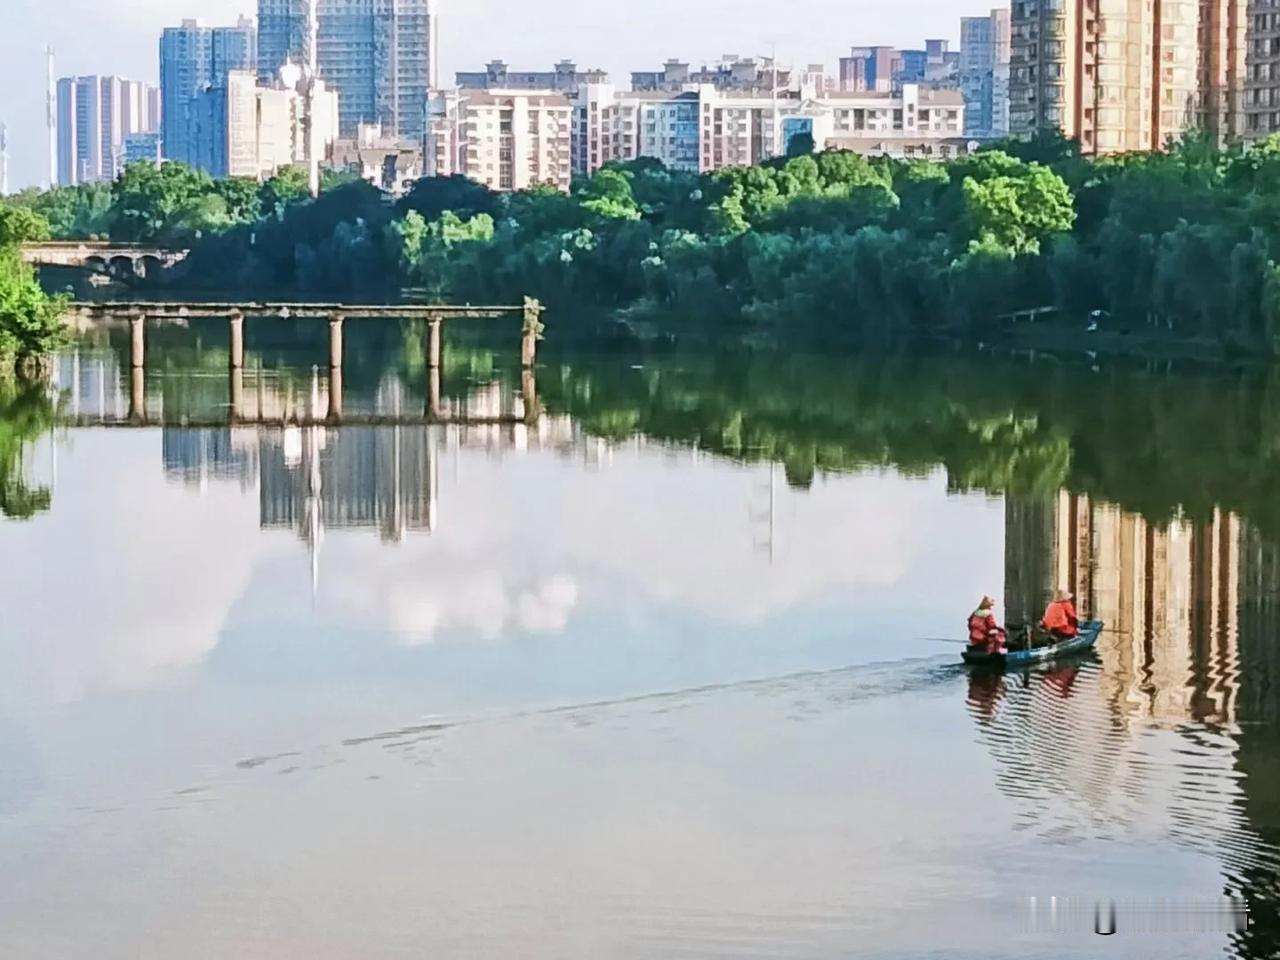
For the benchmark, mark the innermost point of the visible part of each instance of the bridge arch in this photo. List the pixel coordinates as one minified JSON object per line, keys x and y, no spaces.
{"x":122,"y":266}
{"x":148,"y":266}
{"x":96,"y":263}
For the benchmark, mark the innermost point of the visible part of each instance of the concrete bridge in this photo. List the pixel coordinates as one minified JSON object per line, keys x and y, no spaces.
{"x":138,"y":313}
{"x":123,"y":261}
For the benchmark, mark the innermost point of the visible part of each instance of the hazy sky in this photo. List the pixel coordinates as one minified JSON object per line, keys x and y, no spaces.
{"x":120,"y":37}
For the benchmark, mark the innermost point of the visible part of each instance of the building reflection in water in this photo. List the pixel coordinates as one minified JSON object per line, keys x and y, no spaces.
{"x":1173,"y":726}
{"x":1171,"y":595}
{"x":312,"y":477}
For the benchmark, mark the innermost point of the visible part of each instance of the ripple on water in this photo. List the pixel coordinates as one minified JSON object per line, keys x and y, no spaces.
{"x":1074,"y":766}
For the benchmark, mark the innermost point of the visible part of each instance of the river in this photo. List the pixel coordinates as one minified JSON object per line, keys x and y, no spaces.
{"x":659,"y":672}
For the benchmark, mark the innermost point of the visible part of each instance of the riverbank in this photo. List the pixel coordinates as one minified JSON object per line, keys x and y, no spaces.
{"x":1139,"y":345}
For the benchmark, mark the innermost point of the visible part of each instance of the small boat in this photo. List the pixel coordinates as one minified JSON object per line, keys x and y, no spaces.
{"x":1084,"y":640}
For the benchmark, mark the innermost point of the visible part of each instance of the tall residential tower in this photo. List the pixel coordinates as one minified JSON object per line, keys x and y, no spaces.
{"x":284,"y":33}
{"x":193,"y":57}
{"x":377,"y":55}
{"x":984,"y":74}
{"x":1132,"y":74}
{"x":94,"y":116}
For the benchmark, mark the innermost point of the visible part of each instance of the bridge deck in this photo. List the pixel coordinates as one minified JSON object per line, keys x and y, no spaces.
{"x":318,"y":311}
{"x":277,"y":422}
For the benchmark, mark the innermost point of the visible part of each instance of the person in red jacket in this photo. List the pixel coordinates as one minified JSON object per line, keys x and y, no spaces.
{"x":984,"y":632}
{"x":1060,"y":617}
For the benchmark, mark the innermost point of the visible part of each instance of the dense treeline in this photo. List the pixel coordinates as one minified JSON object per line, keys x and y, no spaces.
{"x":1180,"y":243}
{"x":174,"y":205}
{"x":30,"y":320}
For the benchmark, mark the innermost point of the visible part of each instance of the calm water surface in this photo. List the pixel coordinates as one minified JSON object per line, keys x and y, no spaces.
{"x":618,"y":683}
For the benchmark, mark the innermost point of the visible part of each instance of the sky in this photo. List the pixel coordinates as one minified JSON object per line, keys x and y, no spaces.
{"x":121,"y":37}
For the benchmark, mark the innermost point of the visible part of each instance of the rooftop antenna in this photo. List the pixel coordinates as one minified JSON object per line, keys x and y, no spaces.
{"x":51,"y":119}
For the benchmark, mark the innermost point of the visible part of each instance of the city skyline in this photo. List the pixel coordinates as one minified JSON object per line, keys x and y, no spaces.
{"x":127,"y":43}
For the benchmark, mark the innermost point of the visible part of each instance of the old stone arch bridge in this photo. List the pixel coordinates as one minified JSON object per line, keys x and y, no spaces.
{"x":122,"y":261}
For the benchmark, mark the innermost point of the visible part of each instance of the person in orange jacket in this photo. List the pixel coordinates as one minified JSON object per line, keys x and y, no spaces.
{"x":984,"y":632}
{"x":1060,"y":618}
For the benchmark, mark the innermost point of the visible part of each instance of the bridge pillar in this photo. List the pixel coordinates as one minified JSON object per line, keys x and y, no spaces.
{"x":433,"y":393}
{"x":237,"y":341}
{"x":529,"y":393}
{"x":137,"y":341}
{"x":237,"y":393}
{"x":335,"y":394}
{"x":335,"y":343}
{"x":532,"y":326}
{"x":137,"y":394}
{"x":433,"y":342}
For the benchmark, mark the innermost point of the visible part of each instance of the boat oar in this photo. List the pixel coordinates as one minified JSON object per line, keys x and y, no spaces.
{"x":963,"y":643}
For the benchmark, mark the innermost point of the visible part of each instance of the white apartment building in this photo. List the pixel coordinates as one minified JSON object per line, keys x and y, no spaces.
{"x":505,"y":139}
{"x":916,"y":113}
{"x":248,"y":130}
{"x":704,"y":129}
{"x":512,"y":139}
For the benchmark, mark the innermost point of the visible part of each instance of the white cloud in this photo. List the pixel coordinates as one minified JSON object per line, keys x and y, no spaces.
{"x":144,"y":573}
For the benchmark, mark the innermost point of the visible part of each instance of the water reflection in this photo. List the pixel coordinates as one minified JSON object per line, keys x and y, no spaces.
{"x":1186,"y":746}
{"x":27,"y":413}
{"x":649,"y":583}
{"x":1170,"y":594}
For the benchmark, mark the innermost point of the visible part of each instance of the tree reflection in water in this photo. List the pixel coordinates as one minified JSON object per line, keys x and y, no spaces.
{"x":27,"y":412}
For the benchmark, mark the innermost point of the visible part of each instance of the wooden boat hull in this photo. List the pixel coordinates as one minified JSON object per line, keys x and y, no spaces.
{"x":1082,"y":642}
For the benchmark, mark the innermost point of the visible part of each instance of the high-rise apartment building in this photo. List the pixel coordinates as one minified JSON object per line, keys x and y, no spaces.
{"x":984,"y":74}
{"x":886,"y":69}
{"x":194,"y":57}
{"x":244,"y":129}
{"x":1239,"y":68}
{"x":869,"y":68}
{"x":143,"y":148}
{"x":1130,"y":75}
{"x":507,"y":140}
{"x":285,"y":32}
{"x":94,"y":116}
{"x":936,"y":64}
{"x":376,"y":55}
{"x":704,"y":129}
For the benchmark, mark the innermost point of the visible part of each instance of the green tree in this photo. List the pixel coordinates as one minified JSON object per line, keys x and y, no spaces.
{"x":607,"y":195}
{"x":432,"y":196}
{"x":240,"y":196}
{"x":82,"y":212}
{"x":428,"y":250}
{"x":19,"y":225}
{"x":288,"y":185}
{"x":171,"y":205}
{"x":1017,"y":212}
{"x":30,"y":321}
{"x":331,"y":178}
